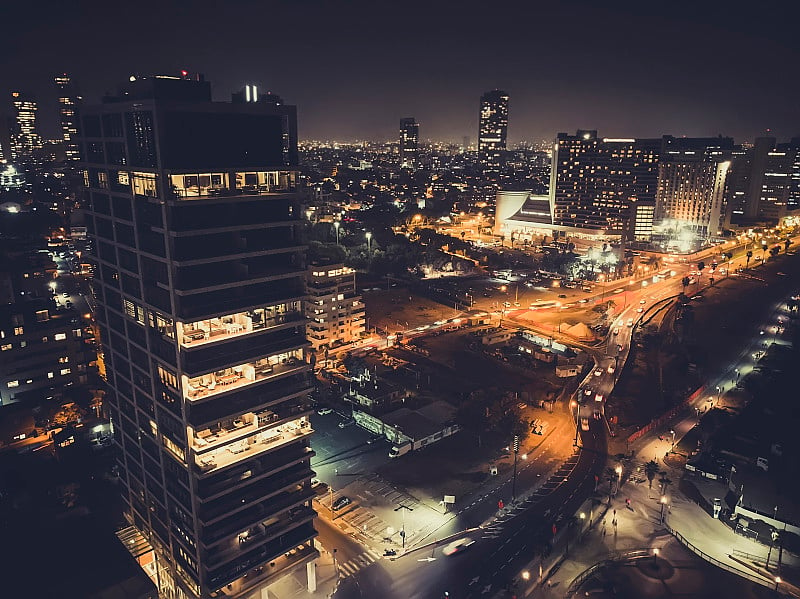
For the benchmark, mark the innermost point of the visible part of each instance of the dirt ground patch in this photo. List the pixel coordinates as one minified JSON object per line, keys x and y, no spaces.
{"x":725,"y":321}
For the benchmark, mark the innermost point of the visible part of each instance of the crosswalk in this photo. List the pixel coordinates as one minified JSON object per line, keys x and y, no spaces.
{"x":360,"y":561}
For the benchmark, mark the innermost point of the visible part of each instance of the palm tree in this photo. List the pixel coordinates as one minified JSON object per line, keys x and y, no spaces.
{"x":651,"y":469}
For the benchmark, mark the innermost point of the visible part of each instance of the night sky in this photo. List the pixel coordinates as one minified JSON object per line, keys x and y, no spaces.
{"x":354,"y":67}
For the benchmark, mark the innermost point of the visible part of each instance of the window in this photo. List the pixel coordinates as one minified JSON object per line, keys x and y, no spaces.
{"x":60,"y":336}
{"x":42,"y":316}
{"x":63,"y":359}
{"x":65,"y":371}
{"x":5,"y":347}
{"x":12,"y":384}
{"x":18,"y":330}
{"x":50,"y":375}
{"x":167,"y":377}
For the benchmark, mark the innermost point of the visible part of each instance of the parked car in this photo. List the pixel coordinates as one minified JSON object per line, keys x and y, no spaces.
{"x":584,"y":424}
{"x":341,"y":502}
{"x":323,"y":411}
{"x":346,"y":423}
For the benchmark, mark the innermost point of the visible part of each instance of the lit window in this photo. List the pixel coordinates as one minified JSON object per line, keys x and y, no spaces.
{"x":50,"y":375}
{"x":60,"y":336}
{"x":5,"y":347}
{"x":18,"y":330}
{"x":65,"y":371}
{"x":12,"y":384}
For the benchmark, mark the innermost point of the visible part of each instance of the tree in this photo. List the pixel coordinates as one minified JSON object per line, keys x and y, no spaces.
{"x":786,"y":244}
{"x":651,"y":469}
{"x":685,"y":282}
{"x":700,"y":266}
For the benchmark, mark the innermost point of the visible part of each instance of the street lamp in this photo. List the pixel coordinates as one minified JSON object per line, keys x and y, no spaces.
{"x":526,"y":575}
{"x":663,"y":505}
{"x":574,"y":404}
{"x":777,"y":582}
{"x":655,"y":556}
{"x":401,"y":508}
{"x":618,"y":470}
{"x":336,"y":225}
{"x":673,"y":438}
{"x":514,"y":480}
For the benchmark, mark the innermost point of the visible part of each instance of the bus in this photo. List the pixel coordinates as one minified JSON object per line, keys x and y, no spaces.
{"x":540,"y":305}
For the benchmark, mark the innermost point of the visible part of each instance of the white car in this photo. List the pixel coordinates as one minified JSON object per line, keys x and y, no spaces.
{"x":630,"y":322}
{"x":640,"y":310}
{"x":458,"y":546}
{"x":642,"y":301}
{"x":323,"y":411}
{"x":598,"y":372}
{"x":584,"y":424}
{"x":610,"y":369}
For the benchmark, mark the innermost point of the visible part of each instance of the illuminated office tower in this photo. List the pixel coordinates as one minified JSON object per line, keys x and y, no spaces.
{"x":409,"y":143}
{"x":593,"y":180}
{"x":25,"y":138}
{"x":68,"y":100}
{"x":492,"y":132}
{"x":691,"y":183}
{"x":200,"y":282}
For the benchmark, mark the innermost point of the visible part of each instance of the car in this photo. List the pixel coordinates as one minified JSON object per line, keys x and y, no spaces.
{"x":346,"y":423}
{"x":587,"y":391}
{"x":458,"y":546}
{"x":583,"y":301}
{"x":616,"y":331}
{"x":374,"y":439}
{"x":584,"y":424}
{"x":610,"y":369}
{"x":517,"y":304}
{"x":598,"y":372}
{"x":643,"y":301}
{"x":323,"y":411}
{"x":562,"y":296}
{"x":598,"y":397}
{"x":630,"y":322}
{"x":640,"y":310}
{"x":506,"y":304}
{"x":65,"y":294}
{"x":341,"y":502}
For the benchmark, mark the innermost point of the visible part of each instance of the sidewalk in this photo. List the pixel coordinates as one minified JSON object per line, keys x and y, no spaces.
{"x":295,"y":585}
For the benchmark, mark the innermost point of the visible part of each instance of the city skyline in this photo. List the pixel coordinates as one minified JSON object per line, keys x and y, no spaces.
{"x":704,"y":78}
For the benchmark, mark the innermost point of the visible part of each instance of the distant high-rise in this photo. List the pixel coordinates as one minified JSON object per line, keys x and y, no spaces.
{"x":409,"y":143}
{"x":492,"y":132}
{"x":25,"y":138}
{"x":593,"y":181}
{"x":200,"y":282}
{"x":764,"y":182}
{"x":691,"y":182}
{"x":68,"y":100}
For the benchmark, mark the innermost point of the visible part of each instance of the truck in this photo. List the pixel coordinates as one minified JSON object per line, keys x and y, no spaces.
{"x":397,"y":450}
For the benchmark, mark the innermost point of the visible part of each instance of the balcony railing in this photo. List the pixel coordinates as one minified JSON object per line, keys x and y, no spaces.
{"x":237,"y":379}
{"x":219,"y":330}
{"x":250,"y":447}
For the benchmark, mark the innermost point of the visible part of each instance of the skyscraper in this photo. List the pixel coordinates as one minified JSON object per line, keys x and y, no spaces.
{"x":68,"y":100}
{"x":409,"y":143}
{"x":593,"y":181}
{"x":200,"y":281}
{"x":492,"y":132}
{"x":25,"y":138}
{"x":691,"y":182}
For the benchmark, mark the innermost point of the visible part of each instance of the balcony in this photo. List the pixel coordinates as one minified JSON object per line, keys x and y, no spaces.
{"x":203,"y":332}
{"x":267,"y":503}
{"x":229,"y":379}
{"x":248,"y":473}
{"x":258,"y":535}
{"x":249,"y":447}
{"x":270,"y":561}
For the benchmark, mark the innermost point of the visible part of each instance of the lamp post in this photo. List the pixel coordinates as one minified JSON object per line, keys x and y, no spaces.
{"x":655,"y":557}
{"x":336,"y":225}
{"x":514,"y":479}
{"x":663,"y":505}
{"x":574,"y":404}
{"x":401,"y":508}
{"x":369,"y":244}
{"x":618,"y":470}
{"x":673,"y":438}
{"x":777,"y":582}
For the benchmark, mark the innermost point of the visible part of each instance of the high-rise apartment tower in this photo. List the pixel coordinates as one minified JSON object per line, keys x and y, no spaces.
{"x":199,"y":282}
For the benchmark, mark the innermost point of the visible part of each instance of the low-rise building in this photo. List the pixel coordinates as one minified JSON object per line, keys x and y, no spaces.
{"x":334,"y":310}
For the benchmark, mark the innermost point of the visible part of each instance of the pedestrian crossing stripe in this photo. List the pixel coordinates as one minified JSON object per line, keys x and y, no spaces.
{"x":362,"y":560}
